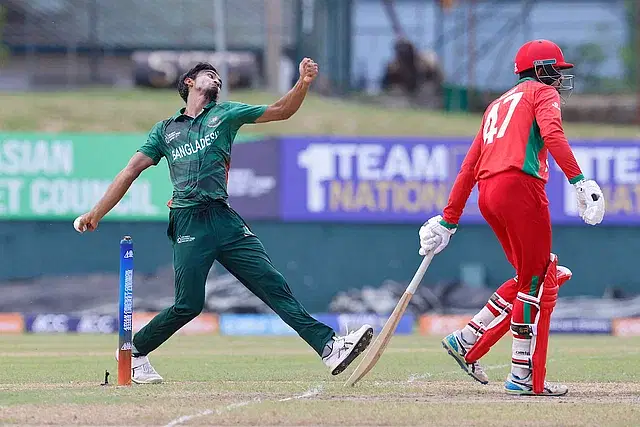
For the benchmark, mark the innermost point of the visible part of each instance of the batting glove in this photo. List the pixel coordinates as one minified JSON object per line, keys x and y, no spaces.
{"x":435,"y":235}
{"x":591,"y":204}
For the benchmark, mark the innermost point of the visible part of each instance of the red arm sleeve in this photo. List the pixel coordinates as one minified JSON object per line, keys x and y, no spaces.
{"x":464,"y":183}
{"x":549,"y":118}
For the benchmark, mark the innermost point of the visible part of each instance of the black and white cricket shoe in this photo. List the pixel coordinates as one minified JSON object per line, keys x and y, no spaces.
{"x":347,"y":348}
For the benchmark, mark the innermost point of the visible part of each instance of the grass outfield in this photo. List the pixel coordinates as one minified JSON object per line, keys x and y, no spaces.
{"x":137,"y":110}
{"x":54,"y":380}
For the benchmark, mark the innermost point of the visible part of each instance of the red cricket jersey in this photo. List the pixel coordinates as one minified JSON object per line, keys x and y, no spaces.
{"x":518,"y":131}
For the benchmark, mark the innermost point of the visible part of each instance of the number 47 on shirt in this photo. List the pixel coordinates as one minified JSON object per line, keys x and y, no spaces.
{"x":490,"y":130}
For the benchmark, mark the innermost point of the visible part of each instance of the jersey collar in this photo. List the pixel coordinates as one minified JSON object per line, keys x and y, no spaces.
{"x":181,"y":111}
{"x":524,"y":79}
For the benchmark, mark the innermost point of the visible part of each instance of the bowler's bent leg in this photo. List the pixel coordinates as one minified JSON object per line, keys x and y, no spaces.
{"x":247,"y":260}
{"x":194,"y":251}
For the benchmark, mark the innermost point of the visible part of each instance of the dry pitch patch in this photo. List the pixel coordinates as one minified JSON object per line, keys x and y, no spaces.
{"x":54,"y":380}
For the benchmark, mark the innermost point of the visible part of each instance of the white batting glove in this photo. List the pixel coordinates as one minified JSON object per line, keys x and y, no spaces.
{"x":434,"y":236}
{"x":590,"y":201}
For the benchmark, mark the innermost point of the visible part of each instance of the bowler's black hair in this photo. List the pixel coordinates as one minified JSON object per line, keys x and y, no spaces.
{"x":183,"y":89}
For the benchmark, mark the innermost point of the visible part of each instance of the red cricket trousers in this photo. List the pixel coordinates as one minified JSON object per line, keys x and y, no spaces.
{"x":516,"y":207}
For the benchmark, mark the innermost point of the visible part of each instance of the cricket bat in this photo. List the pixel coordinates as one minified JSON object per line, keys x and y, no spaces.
{"x":382,"y":340}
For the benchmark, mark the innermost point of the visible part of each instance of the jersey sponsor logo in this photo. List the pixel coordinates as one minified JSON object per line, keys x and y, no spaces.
{"x":185,"y":239}
{"x":191,"y":148}
{"x":170,"y":137}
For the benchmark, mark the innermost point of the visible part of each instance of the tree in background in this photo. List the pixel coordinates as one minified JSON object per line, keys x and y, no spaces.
{"x":3,"y":48}
{"x":411,"y":73}
{"x":588,"y":58}
{"x":630,"y":52}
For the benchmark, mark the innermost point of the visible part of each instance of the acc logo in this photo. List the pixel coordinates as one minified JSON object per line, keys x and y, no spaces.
{"x":96,"y":324}
{"x":128,"y":254}
{"x":50,"y":323}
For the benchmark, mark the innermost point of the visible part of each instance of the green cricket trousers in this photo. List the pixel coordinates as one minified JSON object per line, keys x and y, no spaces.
{"x":203,"y":234}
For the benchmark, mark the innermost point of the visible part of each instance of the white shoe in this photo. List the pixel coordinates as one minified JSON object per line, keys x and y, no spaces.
{"x":347,"y":348}
{"x":524,"y":387}
{"x":142,"y":372}
{"x":457,"y":348}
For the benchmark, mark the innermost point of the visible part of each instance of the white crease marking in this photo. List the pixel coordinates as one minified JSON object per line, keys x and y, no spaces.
{"x":185,"y":418}
{"x":416,"y":377}
{"x":316,"y":391}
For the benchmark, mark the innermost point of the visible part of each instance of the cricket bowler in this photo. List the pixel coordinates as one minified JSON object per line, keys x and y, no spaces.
{"x":508,"y":159}
{"x":203,"y":227}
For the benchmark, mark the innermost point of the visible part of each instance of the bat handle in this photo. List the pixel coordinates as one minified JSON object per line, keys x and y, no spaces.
{"x":417,"y":278}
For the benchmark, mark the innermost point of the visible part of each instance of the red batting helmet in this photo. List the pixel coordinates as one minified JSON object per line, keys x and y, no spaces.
{"x":540,"y":52}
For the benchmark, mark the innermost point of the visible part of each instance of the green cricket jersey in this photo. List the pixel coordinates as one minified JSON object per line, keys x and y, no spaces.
{"x":198,"y":150}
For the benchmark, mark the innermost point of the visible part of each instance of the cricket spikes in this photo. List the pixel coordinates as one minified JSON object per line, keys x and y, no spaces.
{"x":347,"y":348}
{"x":524,"y":387}
{"x":457,"y":348}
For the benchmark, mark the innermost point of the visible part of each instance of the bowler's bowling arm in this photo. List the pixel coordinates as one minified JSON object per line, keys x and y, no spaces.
{"x":120,"y":185}
{"x":286,"y":106}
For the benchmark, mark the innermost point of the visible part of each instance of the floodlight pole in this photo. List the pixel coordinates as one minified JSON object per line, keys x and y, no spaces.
{"x":219,"y":13}
{"x":273,"y":44}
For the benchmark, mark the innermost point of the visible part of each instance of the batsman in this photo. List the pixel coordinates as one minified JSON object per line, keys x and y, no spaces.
{"x":508,"y":160}
{"x":203,"y":227}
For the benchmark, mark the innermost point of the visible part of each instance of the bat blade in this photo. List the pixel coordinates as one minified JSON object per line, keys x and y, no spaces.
{"x":382,"y":340}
